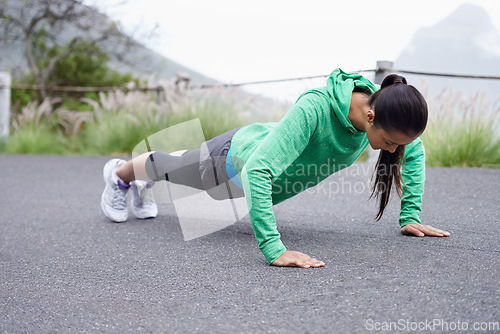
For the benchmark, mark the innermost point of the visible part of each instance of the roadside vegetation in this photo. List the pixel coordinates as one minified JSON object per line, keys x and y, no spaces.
{"x":115,"y":122}
{"x":462,"y":131}
{"x":44,"y":121}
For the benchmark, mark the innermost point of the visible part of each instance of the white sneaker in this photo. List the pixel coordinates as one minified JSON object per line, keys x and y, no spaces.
{"x":141,"y":199}
{"x":114,"y":198}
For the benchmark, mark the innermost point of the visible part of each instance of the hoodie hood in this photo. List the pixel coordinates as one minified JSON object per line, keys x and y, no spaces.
{"x":339,"y":87}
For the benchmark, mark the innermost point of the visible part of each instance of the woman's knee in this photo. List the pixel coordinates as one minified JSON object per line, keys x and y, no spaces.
{"x":158,"y":164}
{"x":178,"y":153}
{"x":140,"y":166}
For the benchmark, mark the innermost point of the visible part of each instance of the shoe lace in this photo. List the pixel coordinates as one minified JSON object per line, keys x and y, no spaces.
{"x":120,"y":199}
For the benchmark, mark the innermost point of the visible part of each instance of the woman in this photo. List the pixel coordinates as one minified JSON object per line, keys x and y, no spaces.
{"x":329,"y":126}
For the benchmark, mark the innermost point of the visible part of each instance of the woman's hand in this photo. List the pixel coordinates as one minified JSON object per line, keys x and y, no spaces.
{"x":422,"y":230}
{"x":296,"y":259}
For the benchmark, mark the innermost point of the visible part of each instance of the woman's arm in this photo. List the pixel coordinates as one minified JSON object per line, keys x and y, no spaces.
{"x":275,"y":153}
{"x":413,"y":176}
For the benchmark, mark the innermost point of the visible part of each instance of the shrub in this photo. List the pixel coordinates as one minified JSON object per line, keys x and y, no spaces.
{"x":463,"y":131}
{"x":34,"y":130}
{"x":36,"y":140}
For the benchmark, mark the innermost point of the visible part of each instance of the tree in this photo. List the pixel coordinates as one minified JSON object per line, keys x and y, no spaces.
{"x":85,"y":65}
{"x":62,"y":27}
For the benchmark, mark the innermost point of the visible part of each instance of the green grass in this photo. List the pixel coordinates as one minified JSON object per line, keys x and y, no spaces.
{"x":36,"y":140}
{"x":119,"y":121}
{"x":473,"y":144}
{"x":463,"y":132}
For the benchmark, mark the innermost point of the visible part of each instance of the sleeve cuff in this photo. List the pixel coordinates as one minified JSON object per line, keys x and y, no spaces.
{"x":273,"y":250}
{"x":408,"y":220}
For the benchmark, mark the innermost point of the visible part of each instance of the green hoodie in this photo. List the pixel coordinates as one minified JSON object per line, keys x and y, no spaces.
{"x":315,"y":139}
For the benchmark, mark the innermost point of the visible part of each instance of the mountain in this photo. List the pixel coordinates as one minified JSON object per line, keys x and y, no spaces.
{"x":138,"y":60}
{"x":466,"y":42}
{"x":142,"y":61}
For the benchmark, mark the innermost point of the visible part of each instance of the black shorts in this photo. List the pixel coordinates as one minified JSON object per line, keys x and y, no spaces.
{"x":213,"y":154}
{"x":203,"y":168}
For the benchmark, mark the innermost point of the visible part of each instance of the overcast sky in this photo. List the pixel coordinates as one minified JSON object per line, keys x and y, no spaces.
{"x":239,"y":41}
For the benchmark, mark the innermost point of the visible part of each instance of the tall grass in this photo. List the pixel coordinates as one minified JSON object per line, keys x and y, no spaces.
{"x":122,"y":120}
{"x":34,"y":130}
{"x":463,"y":131}
{"x":119,"y":121}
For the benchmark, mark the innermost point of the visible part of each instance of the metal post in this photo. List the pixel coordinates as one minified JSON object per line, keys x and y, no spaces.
{"x":5,"y":80}
{"x":383,"y":69}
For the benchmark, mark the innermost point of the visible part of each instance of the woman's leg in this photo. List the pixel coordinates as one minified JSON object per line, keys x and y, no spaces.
{"x":180,"y":167}
{"x":135,"y":169}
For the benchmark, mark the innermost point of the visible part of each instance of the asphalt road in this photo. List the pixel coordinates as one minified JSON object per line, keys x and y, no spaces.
{"x":65,"y":269}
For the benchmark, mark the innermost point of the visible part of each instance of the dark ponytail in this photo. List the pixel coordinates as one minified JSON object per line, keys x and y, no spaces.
{"x":398,"y":107}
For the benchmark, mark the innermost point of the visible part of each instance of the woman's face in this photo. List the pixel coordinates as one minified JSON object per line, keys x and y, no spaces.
{"x":382,"y":140}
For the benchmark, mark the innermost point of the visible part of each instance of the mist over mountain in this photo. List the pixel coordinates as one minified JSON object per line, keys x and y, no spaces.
{"x":138,"y":60}
{"x":466,"y":42}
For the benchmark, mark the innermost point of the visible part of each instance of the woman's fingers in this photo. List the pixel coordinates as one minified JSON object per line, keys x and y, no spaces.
{"x":438,"y":231}
{"x":297,"y":259}
{"x":310,"y":262}
{"x":423,"y":230}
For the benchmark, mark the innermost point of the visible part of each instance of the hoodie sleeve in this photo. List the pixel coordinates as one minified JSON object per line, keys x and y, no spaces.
{"x":413,"y":177}
{"x":275,"y":153}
